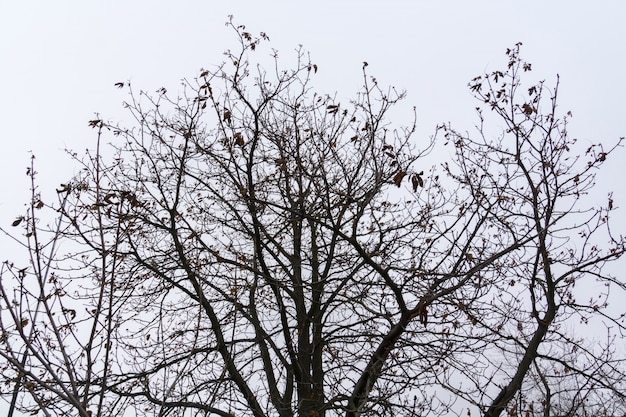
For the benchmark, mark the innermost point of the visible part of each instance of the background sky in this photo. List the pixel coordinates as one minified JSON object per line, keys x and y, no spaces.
{"x":59,"y":61}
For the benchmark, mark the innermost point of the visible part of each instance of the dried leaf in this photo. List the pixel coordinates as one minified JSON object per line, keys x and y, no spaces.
{"x":528,"y":109}
{"x":70,"y":311}
{"x":239,"y":139}
{"x":397,"y":179}
{"x":17,"y":221}
{"x":415,"y":182}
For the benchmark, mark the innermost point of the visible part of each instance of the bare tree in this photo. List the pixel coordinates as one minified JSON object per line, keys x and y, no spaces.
{"x":266,"y":250}
{"x":528,"y":186}
{"x":56,"y":313}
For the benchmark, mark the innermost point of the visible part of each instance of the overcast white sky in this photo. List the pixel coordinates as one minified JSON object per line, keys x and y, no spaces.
{"x":59,"y":61}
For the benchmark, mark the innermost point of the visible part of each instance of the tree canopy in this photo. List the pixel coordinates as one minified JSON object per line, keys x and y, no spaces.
{"x":252,"y":247}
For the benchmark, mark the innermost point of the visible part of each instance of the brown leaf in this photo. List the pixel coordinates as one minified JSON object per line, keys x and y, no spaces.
{"x":239,"y":139}
{"x":17,"y":221}
{"x":397,"y":179}
{"x":71,"y":312}
{"x":415,"y":180}
{"x":528,"y":109}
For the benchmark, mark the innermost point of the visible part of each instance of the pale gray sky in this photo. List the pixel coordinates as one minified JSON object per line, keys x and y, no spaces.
{"x":59,"y":60}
